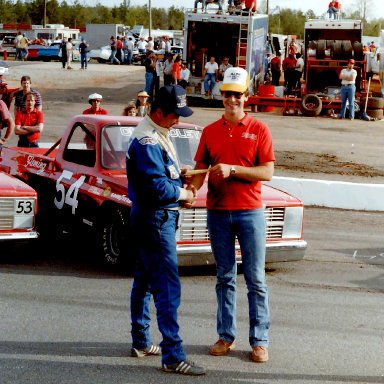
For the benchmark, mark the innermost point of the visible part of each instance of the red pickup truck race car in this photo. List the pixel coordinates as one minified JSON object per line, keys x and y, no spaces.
{"x":18,"y":205}
{"x":82,"y":185}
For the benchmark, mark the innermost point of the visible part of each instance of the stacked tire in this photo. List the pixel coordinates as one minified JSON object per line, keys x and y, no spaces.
{"x":375,"y":107}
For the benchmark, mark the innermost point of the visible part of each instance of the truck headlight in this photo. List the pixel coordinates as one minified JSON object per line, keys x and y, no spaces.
{"x":293,"y":222}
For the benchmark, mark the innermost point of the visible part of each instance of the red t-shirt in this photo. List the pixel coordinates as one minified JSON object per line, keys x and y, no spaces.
{"x":248,"y":4}
{"x":119,"y":44}
{"x":248,"y":144}
{"x":176,"y":69}
{"x":91,"y":111}
{"x":30,"y":119}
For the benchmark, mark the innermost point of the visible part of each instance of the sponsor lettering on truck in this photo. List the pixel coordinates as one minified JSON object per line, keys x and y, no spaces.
{"x":82,"y":188}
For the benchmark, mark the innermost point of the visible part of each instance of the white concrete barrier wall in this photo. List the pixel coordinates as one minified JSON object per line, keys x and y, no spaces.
{"x":333,"y":194}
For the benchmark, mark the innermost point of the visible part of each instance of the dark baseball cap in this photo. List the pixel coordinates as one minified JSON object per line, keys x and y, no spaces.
{"x":174,"y":99}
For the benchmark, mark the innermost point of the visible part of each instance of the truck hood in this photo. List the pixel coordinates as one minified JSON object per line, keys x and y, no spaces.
{"x":11,"y":187}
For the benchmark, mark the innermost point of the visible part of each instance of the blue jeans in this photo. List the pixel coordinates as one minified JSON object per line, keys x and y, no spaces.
{"x":249,"y":227}
{"x":113,"y":58}
{"x":209,"y":81}
{"x":347,"y":93}
{"x":156,"y":273}
{"x":149,"y":83}
{"x":83,"y":59}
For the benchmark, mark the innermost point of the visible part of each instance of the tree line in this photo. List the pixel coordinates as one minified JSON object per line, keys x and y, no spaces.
{"x":286,"y":21}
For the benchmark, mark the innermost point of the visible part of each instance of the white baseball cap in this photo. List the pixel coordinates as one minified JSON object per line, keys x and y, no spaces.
{"x":235,"y":79}
{"x":95,"y":96}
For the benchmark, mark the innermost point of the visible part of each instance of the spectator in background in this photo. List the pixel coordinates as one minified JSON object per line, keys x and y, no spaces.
{"x":95,"y":100}
{"x":142,"y":104}
{"x":299,"y":70}
{"x":6,"y":122}
{"x":70,"y":48}
{"x":141,"y":45}
{"x":289,"y":65}
{"x":113,"y":59}
{"x":23,"y":47}
{"x":29,"y":123}
{"x":17,"y":47}
{"x":176,"y":69}
{"x":276,"y":69}
{"x":210,"y":75}
{"x":185,"y":73}
{"x":150,"y":46}
{"x":63,"y":50}
{"x":18,"y":96}
{"x":372,"y":47}
{"x":83,"y":49}
{"x":334,"y":10}
{"x":225,"y":64}
{"x":119,"y":49}
{"x":150,"y":73}
{"x":130,"y":109}
{"x":167,"y":69}
{"x":130,"y":47}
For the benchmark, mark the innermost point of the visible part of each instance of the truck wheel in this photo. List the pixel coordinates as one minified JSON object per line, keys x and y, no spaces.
{"x":373,"y":102}
{"x":320,"y":51}
{"x":312,"y":44}
{"x":330,"y":44}
{"x":346,"y":48}
{"x":358,"y":52}
{"x":113,"y":236}
{"x":311,"y":105}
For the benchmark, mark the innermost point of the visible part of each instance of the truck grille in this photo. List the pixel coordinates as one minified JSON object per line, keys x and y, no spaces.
{"x":6,"y":213}
{"x":193,"y":224}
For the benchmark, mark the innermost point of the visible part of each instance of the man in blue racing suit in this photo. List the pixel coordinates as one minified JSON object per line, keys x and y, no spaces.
{"x":156,"y":191}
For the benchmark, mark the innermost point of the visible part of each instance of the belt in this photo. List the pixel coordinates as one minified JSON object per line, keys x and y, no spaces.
{"x":346,"y":85}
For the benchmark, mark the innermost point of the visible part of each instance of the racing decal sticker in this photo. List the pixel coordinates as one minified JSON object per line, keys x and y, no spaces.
{"x":147,"y":141}
{"x":174,"y":174}
{"x":95,"y":190}
{"x":123,"y":198}
{"x":34,"y":163}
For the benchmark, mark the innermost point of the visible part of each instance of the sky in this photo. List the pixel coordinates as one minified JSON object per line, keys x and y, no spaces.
{"x":318,"y":6}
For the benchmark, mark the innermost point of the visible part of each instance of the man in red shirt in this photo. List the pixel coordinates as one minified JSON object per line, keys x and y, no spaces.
{"x":176,"y":69}
{"x":289,"y":65}
{"x":276,"y":69}
{"x":238,"y":152}
{"x":95,"y":100}
{"x":29,"y":123}
{"x":334,"y":9}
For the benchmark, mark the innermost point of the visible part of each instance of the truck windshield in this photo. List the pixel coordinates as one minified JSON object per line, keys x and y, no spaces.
{"x":114,"y":145}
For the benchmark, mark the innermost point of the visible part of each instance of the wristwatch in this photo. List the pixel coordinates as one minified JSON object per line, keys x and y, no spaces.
{"x":232,"y":171}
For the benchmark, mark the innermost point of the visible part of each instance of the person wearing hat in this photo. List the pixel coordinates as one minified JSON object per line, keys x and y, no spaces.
{"x":238,"y":151}
{"x":142,"y":104}
{"x":95,"y":100}
{"x":156,"y":191}
{"x":348,"y":78}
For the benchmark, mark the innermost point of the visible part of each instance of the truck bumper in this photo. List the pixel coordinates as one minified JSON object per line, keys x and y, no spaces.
{"x":193,"y":256}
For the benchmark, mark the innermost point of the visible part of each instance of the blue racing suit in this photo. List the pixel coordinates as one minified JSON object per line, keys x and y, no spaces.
{"x":154,"y":188}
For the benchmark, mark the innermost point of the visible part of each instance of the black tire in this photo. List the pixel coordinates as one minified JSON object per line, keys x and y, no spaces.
{"x":311,"y":105}
{"x":373,"y":102}
{"x":113,"y":236}
{"x":320,"y":51}
{"x":312,"y":44}
{"x":347,"y":49}
{"x":358,"y":52}
{"x":375,"y":113}
{"x":330,"y":43}
{"x":337,"y":51}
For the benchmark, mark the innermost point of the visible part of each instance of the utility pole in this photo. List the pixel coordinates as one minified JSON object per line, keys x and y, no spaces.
{"x":150,"y":18}
{"x":45,"y":13}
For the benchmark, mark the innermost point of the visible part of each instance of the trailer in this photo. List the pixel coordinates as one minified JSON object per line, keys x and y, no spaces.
{"x":328,"y":45}
{"x":241,"y":37}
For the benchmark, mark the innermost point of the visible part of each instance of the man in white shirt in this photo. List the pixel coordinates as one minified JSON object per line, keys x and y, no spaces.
{"x":184,"y":75}
{"x":299,"y":69}
{"x":150,"y":45}
{"x":348,"y":77}
{"x":210,"y":75}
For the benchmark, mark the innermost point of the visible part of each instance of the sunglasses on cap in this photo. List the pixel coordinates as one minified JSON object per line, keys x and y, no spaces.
{"x":236,"y":95}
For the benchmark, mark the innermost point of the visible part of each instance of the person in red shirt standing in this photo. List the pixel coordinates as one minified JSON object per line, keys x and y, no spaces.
{"x":29,"y":123}
{"x":289,"y":65}
{"x":238,"y":152}
{"x":276,"y":69}
{"x":176,"y":69}
{"x":95,"y":100}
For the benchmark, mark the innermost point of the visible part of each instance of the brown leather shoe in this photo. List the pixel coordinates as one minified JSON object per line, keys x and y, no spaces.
{"x":221,"y":348}
{"x":259,"y":354}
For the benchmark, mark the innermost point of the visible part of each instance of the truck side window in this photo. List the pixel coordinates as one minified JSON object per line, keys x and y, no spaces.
{"x":81,"y":148}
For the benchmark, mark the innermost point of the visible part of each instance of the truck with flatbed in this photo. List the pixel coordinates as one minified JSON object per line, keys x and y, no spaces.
{"x":81,"y":184}
{"x":328,"y":45}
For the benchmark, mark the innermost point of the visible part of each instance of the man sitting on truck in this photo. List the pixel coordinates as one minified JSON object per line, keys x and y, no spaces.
{"x":204,"y":5}
{"x":334,"y":10}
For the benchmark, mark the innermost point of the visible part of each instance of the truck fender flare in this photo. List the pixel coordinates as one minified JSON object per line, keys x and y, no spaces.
{"x":311,"y":105}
